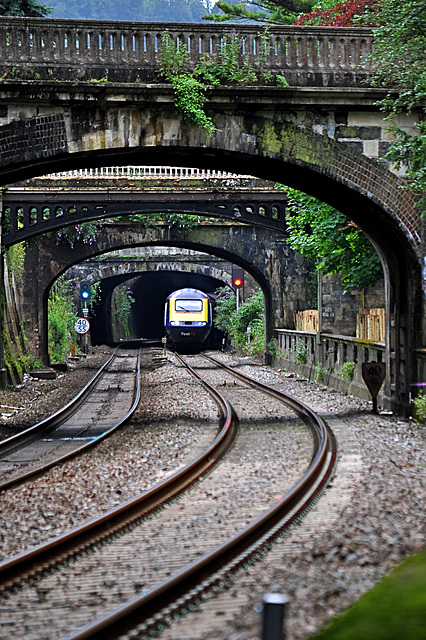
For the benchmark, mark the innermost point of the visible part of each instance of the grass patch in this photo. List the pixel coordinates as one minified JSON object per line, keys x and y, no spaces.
{"x":394,"y":609}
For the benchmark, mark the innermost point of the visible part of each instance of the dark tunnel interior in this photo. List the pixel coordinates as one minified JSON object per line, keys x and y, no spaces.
{"x":147,"y":313}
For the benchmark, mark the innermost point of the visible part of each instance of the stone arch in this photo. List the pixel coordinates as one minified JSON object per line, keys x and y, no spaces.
{"x":104,"y":272}
{"x":263,"y":142}
{"x":108,"y":240}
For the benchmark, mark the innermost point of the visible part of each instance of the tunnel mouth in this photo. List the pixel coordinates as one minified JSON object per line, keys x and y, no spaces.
{"x":146,"y":321}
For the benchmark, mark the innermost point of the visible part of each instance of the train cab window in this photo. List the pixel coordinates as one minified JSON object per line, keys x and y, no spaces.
{"x":188,"y":306}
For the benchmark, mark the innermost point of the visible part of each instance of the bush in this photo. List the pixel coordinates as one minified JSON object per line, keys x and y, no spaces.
{"x":235,"y":322}
{"x":420,"y":408}
{"x":62,"y":314}
{"x":320,"y":371}
{"x":300,"y":352}
{"x":347,"y":371}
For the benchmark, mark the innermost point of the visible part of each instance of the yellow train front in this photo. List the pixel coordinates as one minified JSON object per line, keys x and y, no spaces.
{"x":187,"y":319}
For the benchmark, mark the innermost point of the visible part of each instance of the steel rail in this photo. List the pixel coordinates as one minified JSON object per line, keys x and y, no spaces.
{"x":48,"y":557}
{"x":52,"y":422}
{"x":302,"y":409}
{"x":194,"y":582}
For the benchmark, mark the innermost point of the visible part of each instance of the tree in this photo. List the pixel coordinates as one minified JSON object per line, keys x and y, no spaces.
{"x":264,"y":11}
{"x":337,"y":245}
{"x":23,"y":8}
{"x":361,"y":13}
{"x":399,"y":56}
{"x":147,"y":10}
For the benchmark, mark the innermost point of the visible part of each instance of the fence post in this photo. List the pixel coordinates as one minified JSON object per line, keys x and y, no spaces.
{"x":274,"y":605}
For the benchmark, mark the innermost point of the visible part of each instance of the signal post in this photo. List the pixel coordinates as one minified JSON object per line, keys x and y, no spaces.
{"x":238,"y":282}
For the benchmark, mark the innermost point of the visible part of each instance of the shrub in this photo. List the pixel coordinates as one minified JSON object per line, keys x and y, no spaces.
{"x":420,"y":408}
{"x":300,"y":352}
{"x":235,"y":322}
{"x":320,"y":371}
{"x":62,"y":314}
{"x":347,"y":371}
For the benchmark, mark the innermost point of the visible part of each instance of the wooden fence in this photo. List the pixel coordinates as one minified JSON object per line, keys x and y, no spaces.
{"x":370,"y":323}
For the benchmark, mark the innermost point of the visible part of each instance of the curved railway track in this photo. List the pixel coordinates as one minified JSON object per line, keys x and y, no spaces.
{"x":102,"y":406}
{"x":189,"y":586}
{"x":50,"y":556}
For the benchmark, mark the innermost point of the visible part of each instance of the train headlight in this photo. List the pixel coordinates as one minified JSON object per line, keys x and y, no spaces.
{"x":174,"y":323}
{"x":201,"y":323}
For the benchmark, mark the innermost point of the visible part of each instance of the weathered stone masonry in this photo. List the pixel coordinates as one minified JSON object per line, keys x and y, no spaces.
{"x":308,"y":135}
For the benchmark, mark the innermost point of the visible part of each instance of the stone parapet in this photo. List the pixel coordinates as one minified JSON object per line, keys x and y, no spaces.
{"x":131,"y":51}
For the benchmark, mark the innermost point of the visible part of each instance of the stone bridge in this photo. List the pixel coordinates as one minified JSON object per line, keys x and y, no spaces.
{"x":76,"y":94}
{"x":28,"y":213}
{"x":263,"y":253}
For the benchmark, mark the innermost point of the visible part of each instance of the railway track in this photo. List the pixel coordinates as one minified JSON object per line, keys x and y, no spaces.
{"x":101,"y":407}
{"x":188,"y":586}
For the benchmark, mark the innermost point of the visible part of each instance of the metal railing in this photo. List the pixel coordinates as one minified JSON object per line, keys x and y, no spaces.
{"x":142,"y":172}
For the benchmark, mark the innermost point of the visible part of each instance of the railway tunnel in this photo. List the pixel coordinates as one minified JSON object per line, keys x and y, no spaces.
{"x":149,"y":291}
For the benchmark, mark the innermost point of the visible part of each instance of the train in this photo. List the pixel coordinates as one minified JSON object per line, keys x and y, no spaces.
{"x":187,"y":319}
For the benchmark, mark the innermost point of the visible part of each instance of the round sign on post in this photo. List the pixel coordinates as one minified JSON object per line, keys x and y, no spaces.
{"x":82,"y":325}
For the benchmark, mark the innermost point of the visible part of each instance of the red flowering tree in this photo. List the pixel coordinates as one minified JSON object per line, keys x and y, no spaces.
{"x":361,"y":13}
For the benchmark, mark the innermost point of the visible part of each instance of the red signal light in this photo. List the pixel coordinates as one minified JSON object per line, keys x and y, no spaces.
{"x":237,"y":277}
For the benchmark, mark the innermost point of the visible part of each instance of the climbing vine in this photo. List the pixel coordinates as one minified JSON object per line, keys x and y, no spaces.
{"x":85,"y":232}
{"x":122,"y":307}
{"x":62,"y":313}
{"x":179,"y":220}
{"x":229,"y":64}
{"x":15,"y":259}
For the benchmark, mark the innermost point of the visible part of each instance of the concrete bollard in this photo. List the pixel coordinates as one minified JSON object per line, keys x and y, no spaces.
{"x":274,"y":605}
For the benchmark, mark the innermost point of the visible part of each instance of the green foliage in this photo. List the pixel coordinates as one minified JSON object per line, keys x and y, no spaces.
{"x":281,"y":81}
{"x":300,"y":352}
{"x":394,"y":608}
{"x":17,"y":358}
{"x":272,"y":348}
{"x":84,"y":232}
{"x":190,"y":100}
{"x":399,"y":53}
{"x":15,"y":259}
{"x":320,"y":232}
{"x":347,"y":371}
{"x":122,"y":308}
{"x":22,"y":8}
{"x":228,"y":65}
{"x":320,"y":372}
{"x":172,"y":220}
{"x":225,"y":306}
{"x":61,"y":318}
{"x":420,"y":408}
{"x":264,"y":11}
{"x":338,"y":13}
{"x":189,"y":91}
{"x":235,"y":322}
{"x":95,"y":289}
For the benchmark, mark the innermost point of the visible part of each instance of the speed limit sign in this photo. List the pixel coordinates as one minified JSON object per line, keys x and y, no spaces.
{"x":82,"y":325}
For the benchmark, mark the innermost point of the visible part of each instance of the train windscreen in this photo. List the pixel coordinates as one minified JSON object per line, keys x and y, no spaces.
{"x":188,"y":306}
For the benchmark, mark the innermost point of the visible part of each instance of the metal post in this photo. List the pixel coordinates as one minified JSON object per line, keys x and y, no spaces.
{"x":274,"y":605}
{"x":319,"y":330}
{"x":3,"y":380}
